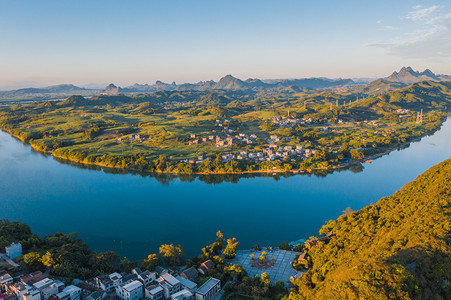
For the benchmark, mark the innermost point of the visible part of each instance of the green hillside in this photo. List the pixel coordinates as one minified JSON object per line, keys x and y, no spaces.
{"x":399,"y":248}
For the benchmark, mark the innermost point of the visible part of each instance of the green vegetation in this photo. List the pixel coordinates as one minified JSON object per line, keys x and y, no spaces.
{"x":399,"y":248}
{"x":175,"y":131}
{"x":230,"y":250}
{"x":64,"y":254}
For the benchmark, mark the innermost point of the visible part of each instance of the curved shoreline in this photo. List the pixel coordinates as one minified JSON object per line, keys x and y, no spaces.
{"x":276,"y":171}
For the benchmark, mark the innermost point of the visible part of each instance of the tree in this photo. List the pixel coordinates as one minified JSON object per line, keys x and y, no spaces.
{"x":107,"y":260}
{"x":348,"y":210}
{"x":284,"y":246}
{"x":151,"y":262}
{"x":230,"y":250}
{"x":32,"y":261}
{"x":265,"y":278}
{"x":126,"y":265}
{"x":47,"y":260}
{"x":172,"y":255}
{"x":357,"y":155}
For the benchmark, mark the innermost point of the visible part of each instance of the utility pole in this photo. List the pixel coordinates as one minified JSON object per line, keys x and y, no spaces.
{"x":419,"y":117}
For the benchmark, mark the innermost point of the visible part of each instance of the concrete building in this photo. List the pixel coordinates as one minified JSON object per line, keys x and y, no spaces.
{"x":32,"y":295}
{"x":5,"y":280}
{"x":187,"y":284}
{"x":73,"y":291}
{"x":97,"y":295}
{"x":116,"y":278}
{"x":154,"y":292}
{"x":146,"y":277}
{"x":170,"y":285}
{"x":47,"y":287}
{"x":183,"y":295}
{"x":19,"y":289}
{"x":14,"y":250}
{"x":209,"y":289}
{"x":104,"y":283}
{"x":130,"y":291}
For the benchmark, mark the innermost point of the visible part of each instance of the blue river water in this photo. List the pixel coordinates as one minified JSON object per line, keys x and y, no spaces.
{"x":134,"y":215}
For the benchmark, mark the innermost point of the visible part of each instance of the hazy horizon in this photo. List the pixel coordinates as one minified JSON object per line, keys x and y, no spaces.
{"x":54,"y":42}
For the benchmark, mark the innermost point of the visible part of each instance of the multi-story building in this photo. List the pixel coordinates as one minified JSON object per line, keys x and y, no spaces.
{"x":154,"y":292}
{"x":19,"y":289}
{"x":209,"y":289}
{"x":14,"y":250}
{"x":73,"y":291}
{"x":47,"y":287}
{"x":183,"y":295}
{"x":104,"y":283}
{"x":32,"y":295}
{"x":130,"y":291}
{"x":5,"y":280}
{"x":170,"y":285}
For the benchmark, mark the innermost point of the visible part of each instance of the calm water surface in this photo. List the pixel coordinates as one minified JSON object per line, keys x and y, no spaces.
{"x":133,"y":215}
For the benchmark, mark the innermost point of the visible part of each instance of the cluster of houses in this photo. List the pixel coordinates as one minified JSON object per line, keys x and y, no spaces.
{"x":272,"y":153}
{"x":132,"y":138}
{"x":159,"y":284}
{"x":138,"y":285}
{"x":226,"y":141}
{"x":289,"y":122}
{"x":36,"y":286}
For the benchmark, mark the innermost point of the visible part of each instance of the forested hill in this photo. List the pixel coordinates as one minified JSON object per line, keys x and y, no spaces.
{"x":399,"y":248}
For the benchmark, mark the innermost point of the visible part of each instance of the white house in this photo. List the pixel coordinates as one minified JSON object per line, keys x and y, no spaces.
{"x":19,"y":289}
{"x":154,"y":292}
{"x":170,"y":285}
{"x":187,"y":284}
{"x":130,"y":291}
{"x":104,"y":283}
{"x":47,"y":287}
{"x":183,"y":295}
{"x":5,"y":279}
{"x":14,"y":250}
{"x":116,"y":278}
{"x":73,"y":291}
{"x":209,"y":289}
{"x":32,"y":295}
{"x":146,"y":277}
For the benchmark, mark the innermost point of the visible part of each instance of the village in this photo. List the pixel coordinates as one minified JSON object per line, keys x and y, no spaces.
{"x":270,"y":153}
{"x":160,"y":283}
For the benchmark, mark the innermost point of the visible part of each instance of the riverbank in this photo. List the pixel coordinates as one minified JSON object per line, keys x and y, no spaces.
{"x":270,"y":171}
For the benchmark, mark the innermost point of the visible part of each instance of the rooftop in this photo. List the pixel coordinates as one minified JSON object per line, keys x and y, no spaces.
{"x":132,"y":286}
{"x":44,"y":282}
{"x":207,"y":286}
{"x":170,"y":279}
{"x":156,"y":290}
{"x":183,"y":294}
{"x":186,"y":283}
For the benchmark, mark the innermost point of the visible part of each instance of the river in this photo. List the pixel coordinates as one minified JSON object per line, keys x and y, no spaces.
{"x":134,"y":215}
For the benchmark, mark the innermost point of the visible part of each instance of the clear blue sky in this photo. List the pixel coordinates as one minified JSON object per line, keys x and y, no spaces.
{"x":125,"y":42}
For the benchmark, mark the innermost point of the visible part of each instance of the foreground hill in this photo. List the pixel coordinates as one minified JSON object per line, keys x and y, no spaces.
{"x":399,"y":248}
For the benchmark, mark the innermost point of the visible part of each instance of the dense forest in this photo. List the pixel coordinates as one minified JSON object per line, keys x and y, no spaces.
{"x":399,"y":248}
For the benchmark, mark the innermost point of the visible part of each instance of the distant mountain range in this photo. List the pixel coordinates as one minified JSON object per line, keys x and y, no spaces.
{"x":229,"y":83}
{"x":407,"y":75}
{"x":61,"y":89}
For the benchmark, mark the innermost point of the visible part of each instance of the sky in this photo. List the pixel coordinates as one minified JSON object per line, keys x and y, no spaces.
{"x":124,"y":42}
